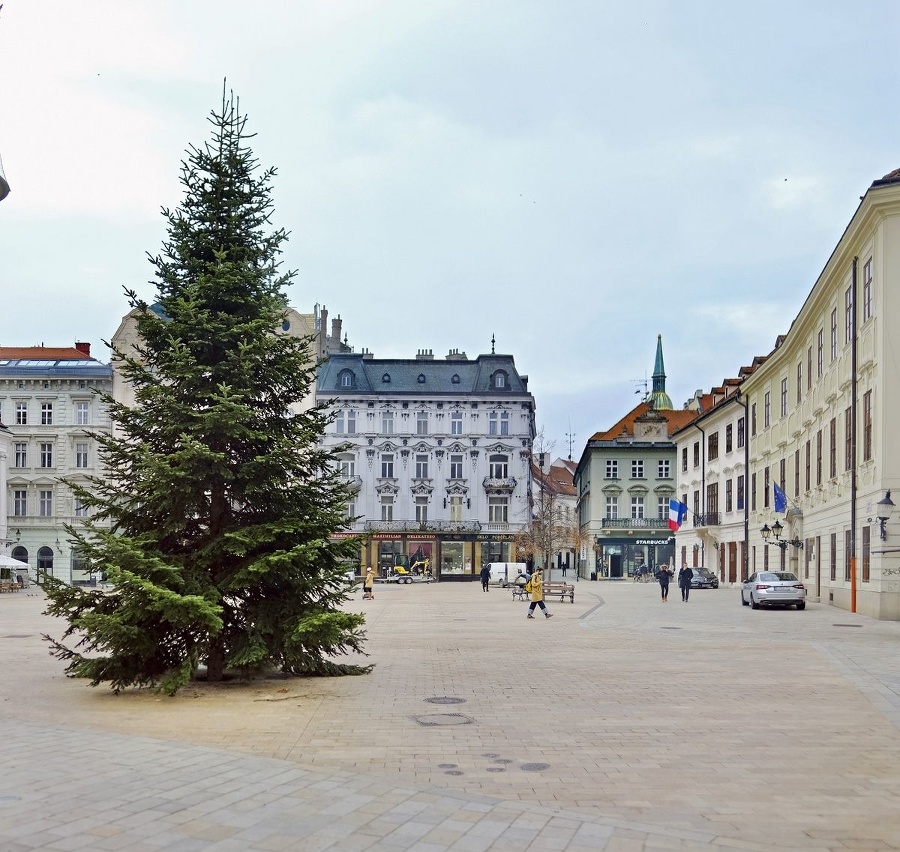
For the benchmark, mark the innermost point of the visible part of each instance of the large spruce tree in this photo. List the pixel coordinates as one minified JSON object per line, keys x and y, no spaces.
{"x":214,"y":522}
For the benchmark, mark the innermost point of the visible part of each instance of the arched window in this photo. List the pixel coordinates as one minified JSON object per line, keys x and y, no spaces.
{"x":345,"y":379}
{"x":20,"y":553}
{"x":45,"y":560}
{"x":499,"y":465}
{"x":500,"y":379}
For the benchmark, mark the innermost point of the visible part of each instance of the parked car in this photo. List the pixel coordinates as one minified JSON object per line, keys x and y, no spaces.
{"x":773,"y":588}
{"x":704,"y":579}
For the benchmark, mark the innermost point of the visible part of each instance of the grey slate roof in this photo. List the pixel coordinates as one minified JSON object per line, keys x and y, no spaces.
{"x":418,"y":376}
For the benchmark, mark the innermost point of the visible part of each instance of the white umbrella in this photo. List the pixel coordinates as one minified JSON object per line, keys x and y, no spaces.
{"x":9,"y":562}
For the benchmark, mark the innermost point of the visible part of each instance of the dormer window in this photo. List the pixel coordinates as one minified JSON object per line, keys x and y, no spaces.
{"x":500,"y":379}
{"x":346,"y":379}
{"x":386,"y":378}
{"x":421,"y":379}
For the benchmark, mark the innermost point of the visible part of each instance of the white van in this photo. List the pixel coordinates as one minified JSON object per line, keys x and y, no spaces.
{"x":505,"y":573}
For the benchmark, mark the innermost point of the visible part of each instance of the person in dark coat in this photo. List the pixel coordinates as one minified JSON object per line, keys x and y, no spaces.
{"x":663,"y":576}
{"x":485,"y":577}
{"x":684,"y":582}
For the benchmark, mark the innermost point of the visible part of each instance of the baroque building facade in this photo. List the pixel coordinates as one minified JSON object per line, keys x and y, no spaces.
{"x":49,"y":408}
{"x":439,"y":452}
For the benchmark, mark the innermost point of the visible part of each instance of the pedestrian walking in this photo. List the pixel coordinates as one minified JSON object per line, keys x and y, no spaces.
{"x":684,"y":582}
{"x":485,"y":577}
{"x":369,"y":585}
{"x":663,"y":575}
{"x":536,"y":584}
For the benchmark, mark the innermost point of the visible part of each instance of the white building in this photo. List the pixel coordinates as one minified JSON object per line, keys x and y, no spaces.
{"x":48,"y":404}
{"x":440,"y":452}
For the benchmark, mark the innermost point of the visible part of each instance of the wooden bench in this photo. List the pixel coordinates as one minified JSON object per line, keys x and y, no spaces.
{"x":519,"y":593}
{"x":564,"y":590}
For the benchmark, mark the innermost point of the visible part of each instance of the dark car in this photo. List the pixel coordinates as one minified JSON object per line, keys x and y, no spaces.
{"x":704,"y":579}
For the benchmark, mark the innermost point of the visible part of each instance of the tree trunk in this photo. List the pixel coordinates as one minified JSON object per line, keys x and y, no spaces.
{"x":215,"y":663}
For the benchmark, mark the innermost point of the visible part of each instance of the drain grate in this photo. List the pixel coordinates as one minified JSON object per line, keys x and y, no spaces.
{"x":445,"y":699}
{"x":535,"y":767}
{"x":443,"y":719}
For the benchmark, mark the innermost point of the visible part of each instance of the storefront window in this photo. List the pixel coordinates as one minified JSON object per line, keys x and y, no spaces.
{"x":453,"y":557}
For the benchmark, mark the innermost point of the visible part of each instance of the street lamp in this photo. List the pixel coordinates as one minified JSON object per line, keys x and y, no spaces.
{"x":776,"y":530}
{"x":884,"y":508}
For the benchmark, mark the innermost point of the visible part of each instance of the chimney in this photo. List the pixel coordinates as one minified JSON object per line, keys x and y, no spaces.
{"x":84,"y":348}
{"x":336,"y":329}
{"x":425,"y":355}
{"x":323,"y":322}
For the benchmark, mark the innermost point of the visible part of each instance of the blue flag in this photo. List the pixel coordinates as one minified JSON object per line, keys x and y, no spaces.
{"x":780,"y":499}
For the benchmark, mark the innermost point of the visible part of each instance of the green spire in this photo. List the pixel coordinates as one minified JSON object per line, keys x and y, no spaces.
{"x":658,"y":398}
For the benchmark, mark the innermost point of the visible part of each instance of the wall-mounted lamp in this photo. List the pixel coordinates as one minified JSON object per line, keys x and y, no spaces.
{"x":58,"y":548}
{"x":885,"y":506}
{"x":19,"y":533}
{"x":776,"y":530}
{"x":468,"y":503}
{"x":445,"y":502}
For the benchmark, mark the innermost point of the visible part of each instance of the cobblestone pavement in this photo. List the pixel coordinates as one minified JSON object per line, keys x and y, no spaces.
{"x":623,"y":723}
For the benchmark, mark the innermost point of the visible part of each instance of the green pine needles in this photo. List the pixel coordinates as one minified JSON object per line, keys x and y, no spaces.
{"x":214,"y":521}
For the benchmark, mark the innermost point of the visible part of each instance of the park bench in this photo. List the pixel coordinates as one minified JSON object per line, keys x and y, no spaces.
{"x":564,"y":590}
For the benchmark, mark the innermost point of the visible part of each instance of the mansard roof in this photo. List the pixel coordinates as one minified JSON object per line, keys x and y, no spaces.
{"x":419,"y":376}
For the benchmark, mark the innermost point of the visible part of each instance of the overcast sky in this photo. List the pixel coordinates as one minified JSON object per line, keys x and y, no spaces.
{"x":573,"y":178}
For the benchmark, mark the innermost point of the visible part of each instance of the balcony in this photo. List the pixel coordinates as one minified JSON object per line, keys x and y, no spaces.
{"x":636,"y":523}
{"x":354,"y":483}
{"x":499,"y":485}
{"x":710,"y":519}
{"x":422,"y":526}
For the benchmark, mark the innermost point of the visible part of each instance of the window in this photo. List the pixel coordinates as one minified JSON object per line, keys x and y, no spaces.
{"x":421,"y":422}
{"x":498,"y":423}
{"x":752,"y":492}
{"x":499,"y":379}
{"x":499,"y":467}
{"x":729,"y":438}
{"x":387,"y":422}
{"x":345,"y":422}
{"x":729,"y":499}
{"x":456,"y":466}
{"x":612,"y":469}
{"x":20,"y":503}
{"x":740,"y":493}
{"x":712,"y":497}
{"x":46,"y":414}
{"x":784,"y":397}
{"x":808,"y":371}
{"x":387,"y":465}
{"x":81,"y":509}
{"x":867,"y":290}
{"x":81,"y":455}
{"x":340,"y":423}
{"x":456,"y":508}
{"x":867,"y":426}
{"x":46,"y":455}
{"x":808,"y":464}
{"x":637,"y":468}
{"x":612,"y":507}
{"x":866,"y":554}
{"x":848,"y":554}
{"x":741,"y":437}
{"x":712,"y":444}
{"x":820,"y":352}
{"x":21,"y":414}
{"x":697,"y":502}
{"x":82,"y":413}
{"x":797,"y":473}
{"x":799,"y":381}
{"x":351,"y":422}
{"x":767,"y":410}
{"x":848,"y":439}
{"x":834,"y":334}
{"x":696,"y":454}
{"x":422,"y":466}
{"x":662,"y":507}
{"x":753,"y":420}
{"x":456,"y":423}
{"x":782,"y":473}
{"x":45,"y":503}
{"x":504,"y":422}
{"x":848,"y":315}
{"x":767,"y":484}
{"x":387,"y":507}
{"x":492,"y":423}
{"x":819,"y":457}
{"x":833,"y":557}
{"x":421,"y":510}
{"x":20,"y":455}
{"x":347,"y":465}
{"x":637,"y":507}
{"x":663,"y":471}
{"x":498,"y":510}
{"x":345,"y":379}
{"x":684,"y":463}
{"x":832,"y":448}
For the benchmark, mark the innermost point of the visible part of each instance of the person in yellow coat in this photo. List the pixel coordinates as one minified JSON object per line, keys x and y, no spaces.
{"x":537,"y":594}
{"x":369,"y":585}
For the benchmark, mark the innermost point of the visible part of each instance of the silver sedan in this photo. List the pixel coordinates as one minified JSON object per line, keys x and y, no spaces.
{"x":773,"y":588}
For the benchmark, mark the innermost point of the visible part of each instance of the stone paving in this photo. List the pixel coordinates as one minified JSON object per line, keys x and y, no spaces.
{"x":620,"y":724}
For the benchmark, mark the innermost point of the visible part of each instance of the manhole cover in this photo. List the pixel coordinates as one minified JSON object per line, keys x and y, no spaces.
{"x":535,"y":767}
{"x":846,"y":625}
{"x":502,"y":760}
{"x":445,"y":699}
{"x":439,"y":719}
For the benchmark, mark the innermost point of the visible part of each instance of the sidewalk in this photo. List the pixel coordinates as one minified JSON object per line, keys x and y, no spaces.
{"x":621,"y":724}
